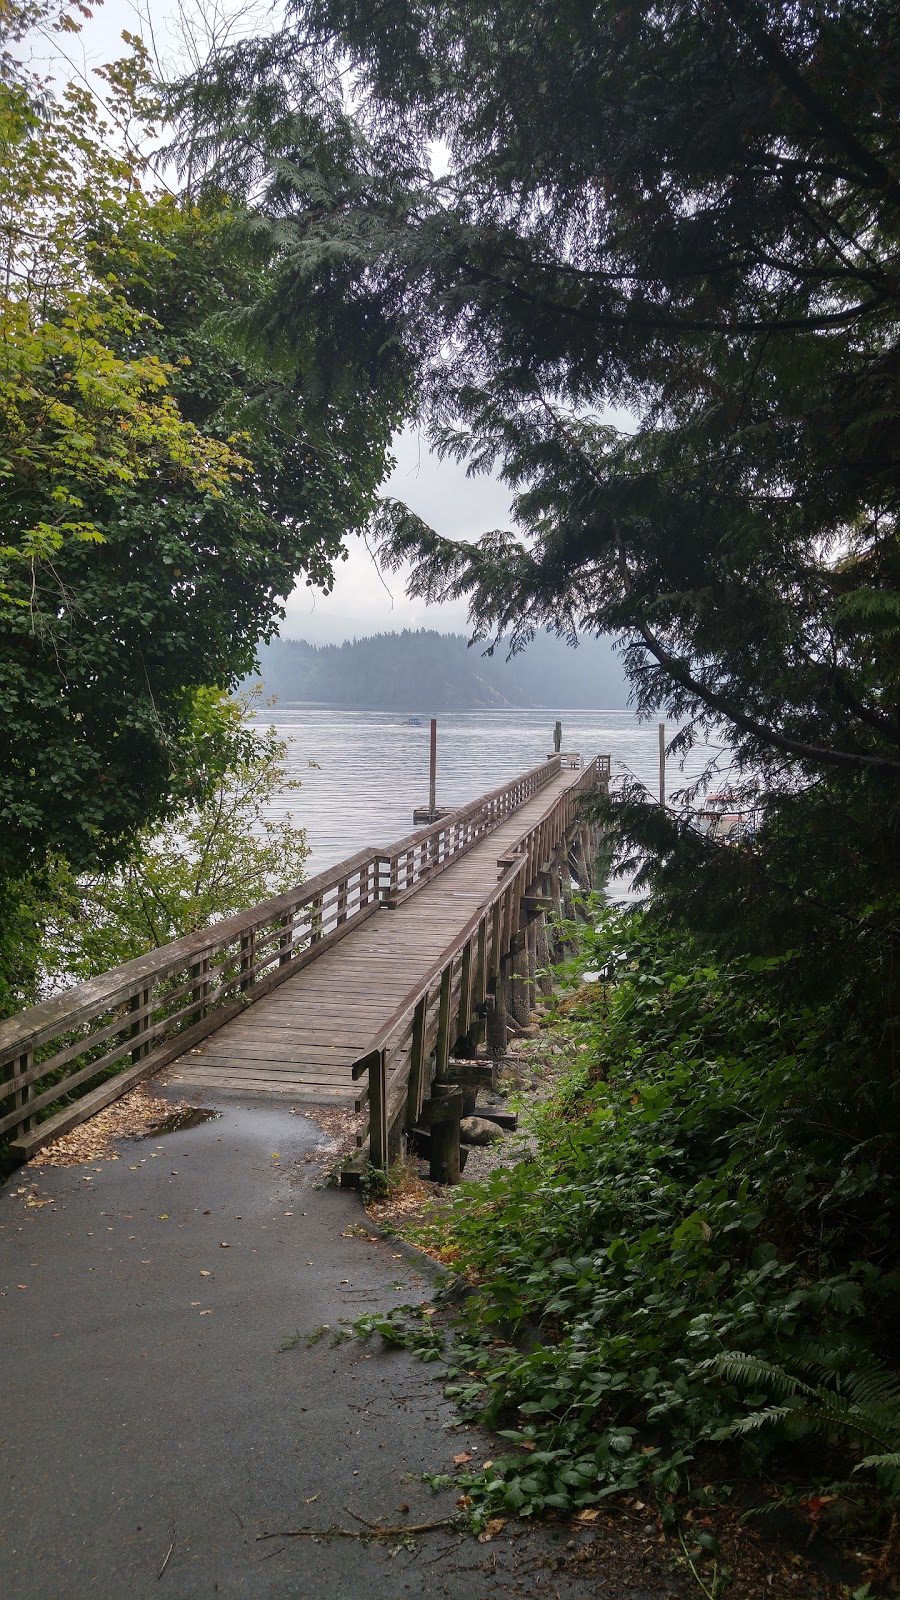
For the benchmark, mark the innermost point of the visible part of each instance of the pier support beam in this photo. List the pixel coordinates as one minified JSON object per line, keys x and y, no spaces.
{"x":520,"y":985}
{"x":497,"y":1037}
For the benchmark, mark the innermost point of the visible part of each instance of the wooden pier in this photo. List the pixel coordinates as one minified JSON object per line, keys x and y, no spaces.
{"x":358,"y":987}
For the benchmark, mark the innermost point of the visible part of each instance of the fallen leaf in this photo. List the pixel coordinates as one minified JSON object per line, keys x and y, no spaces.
{"x":206,"y":1313}
{"x":462,"y":1458}
{"x":491,"y":1529}
{"x":589,"y":1515}
{"x":21,"y":1286}
{"x":224,"y":1245}
{"x":312,"y":1498}
{"x":205,"y":1273}
{"x":485,"y":1465}
{"x":164,"y":1216}
{"x":274,"y":1155}
{"x":463,"y":1501}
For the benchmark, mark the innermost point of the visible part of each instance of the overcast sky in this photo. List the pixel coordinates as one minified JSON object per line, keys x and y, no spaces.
{"x":438,"y":491}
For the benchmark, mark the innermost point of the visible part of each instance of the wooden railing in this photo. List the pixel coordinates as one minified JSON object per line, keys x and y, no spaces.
{"x":413,"y":1046}
{"x":98,"y":1037}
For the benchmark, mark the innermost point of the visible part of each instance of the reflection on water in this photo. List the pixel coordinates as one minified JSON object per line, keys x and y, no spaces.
{"x":362,"y":772}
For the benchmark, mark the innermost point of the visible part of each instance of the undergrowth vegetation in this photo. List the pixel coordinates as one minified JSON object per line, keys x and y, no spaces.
{"x":692,"y":1280}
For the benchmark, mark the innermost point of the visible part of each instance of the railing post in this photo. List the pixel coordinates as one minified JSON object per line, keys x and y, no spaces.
{"x":340,"y":902}
{"x":464,"y":1014}
{"x":482,"y":963}
{"x":415,"y":1093}
{"x":248,"y":955}
{"x":286,"y":942}
{"x":201,"y":989}
{"x":20,"y":1097}
{"x":378,"y":1128}
{"x":382,"y":877}
{"x":442,"y":1046}
{"x":140,"y":1002}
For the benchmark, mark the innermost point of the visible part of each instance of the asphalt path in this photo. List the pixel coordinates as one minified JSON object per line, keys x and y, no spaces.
{"x":155,"y":1432}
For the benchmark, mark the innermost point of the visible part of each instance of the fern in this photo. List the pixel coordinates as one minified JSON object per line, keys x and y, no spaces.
{"x":864,"y":1406}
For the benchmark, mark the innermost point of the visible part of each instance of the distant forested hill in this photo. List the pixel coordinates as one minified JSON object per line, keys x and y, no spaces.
{"x":424,"y":671}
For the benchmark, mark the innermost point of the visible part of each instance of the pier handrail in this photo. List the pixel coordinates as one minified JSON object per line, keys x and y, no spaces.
{"x":457,"y":981}
{"x":137,"y":1017}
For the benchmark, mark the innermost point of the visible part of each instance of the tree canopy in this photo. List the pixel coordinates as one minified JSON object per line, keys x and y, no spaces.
{"x":690,"y":214}
{"x":162,"y":482}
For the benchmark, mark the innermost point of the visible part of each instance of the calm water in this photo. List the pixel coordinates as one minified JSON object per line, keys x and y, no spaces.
{"x":370,"y":770}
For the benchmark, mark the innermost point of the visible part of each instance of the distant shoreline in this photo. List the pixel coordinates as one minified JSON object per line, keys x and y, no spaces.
{"x":397,"y":711}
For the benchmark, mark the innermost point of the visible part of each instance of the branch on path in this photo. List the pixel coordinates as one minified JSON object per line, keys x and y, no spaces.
{"x":369,"y":1530}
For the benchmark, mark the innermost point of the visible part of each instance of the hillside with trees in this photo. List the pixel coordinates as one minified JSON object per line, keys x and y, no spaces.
{"x":421,"y":670}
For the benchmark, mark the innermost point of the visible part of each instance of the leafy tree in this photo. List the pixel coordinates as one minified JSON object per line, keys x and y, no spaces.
{"x":206,"y":862}
{"x":159,"y":488}
{"x":691,"y":213}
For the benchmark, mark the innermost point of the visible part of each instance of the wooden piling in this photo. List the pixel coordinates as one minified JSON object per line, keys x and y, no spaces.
{"x":497,"y":1036}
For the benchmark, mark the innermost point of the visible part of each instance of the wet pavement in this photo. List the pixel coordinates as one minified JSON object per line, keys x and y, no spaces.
{"x":169,"y":1396}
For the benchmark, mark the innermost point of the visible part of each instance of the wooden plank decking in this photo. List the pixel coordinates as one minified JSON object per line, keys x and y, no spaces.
{"x":301,"y":1040}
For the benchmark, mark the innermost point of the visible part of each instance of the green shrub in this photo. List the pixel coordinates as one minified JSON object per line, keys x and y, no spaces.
{"x":711,"y":1192}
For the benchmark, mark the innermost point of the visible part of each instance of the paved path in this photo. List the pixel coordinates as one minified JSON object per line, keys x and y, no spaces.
{"x":143,"y":1400}
{"x":302,"y":1040}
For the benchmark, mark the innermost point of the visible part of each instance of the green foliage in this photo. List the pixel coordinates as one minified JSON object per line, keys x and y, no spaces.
{"x":161,"y":484}
{"x":83,"y":408}
{"x":865,"y":1406}
{"x":404,"y":1328}
{"x":709,"y":1197}
{"x":207,"y":862}
{"x":20,"y":943}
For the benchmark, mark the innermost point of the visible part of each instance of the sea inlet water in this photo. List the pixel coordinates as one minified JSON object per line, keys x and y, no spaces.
{"x":362,"y":772}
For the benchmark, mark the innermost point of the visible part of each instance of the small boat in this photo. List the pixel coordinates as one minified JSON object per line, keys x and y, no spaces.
{"x":411,"y":722}
{"x":718,"y":818}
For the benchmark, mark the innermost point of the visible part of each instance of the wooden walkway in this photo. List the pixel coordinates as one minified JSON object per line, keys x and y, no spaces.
{"x":301,"y":1040}
{"x":382,"y":966}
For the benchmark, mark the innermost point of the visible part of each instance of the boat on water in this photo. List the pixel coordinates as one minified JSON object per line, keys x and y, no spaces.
{"x":411,"y":722}
{"x":719,"y":817}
